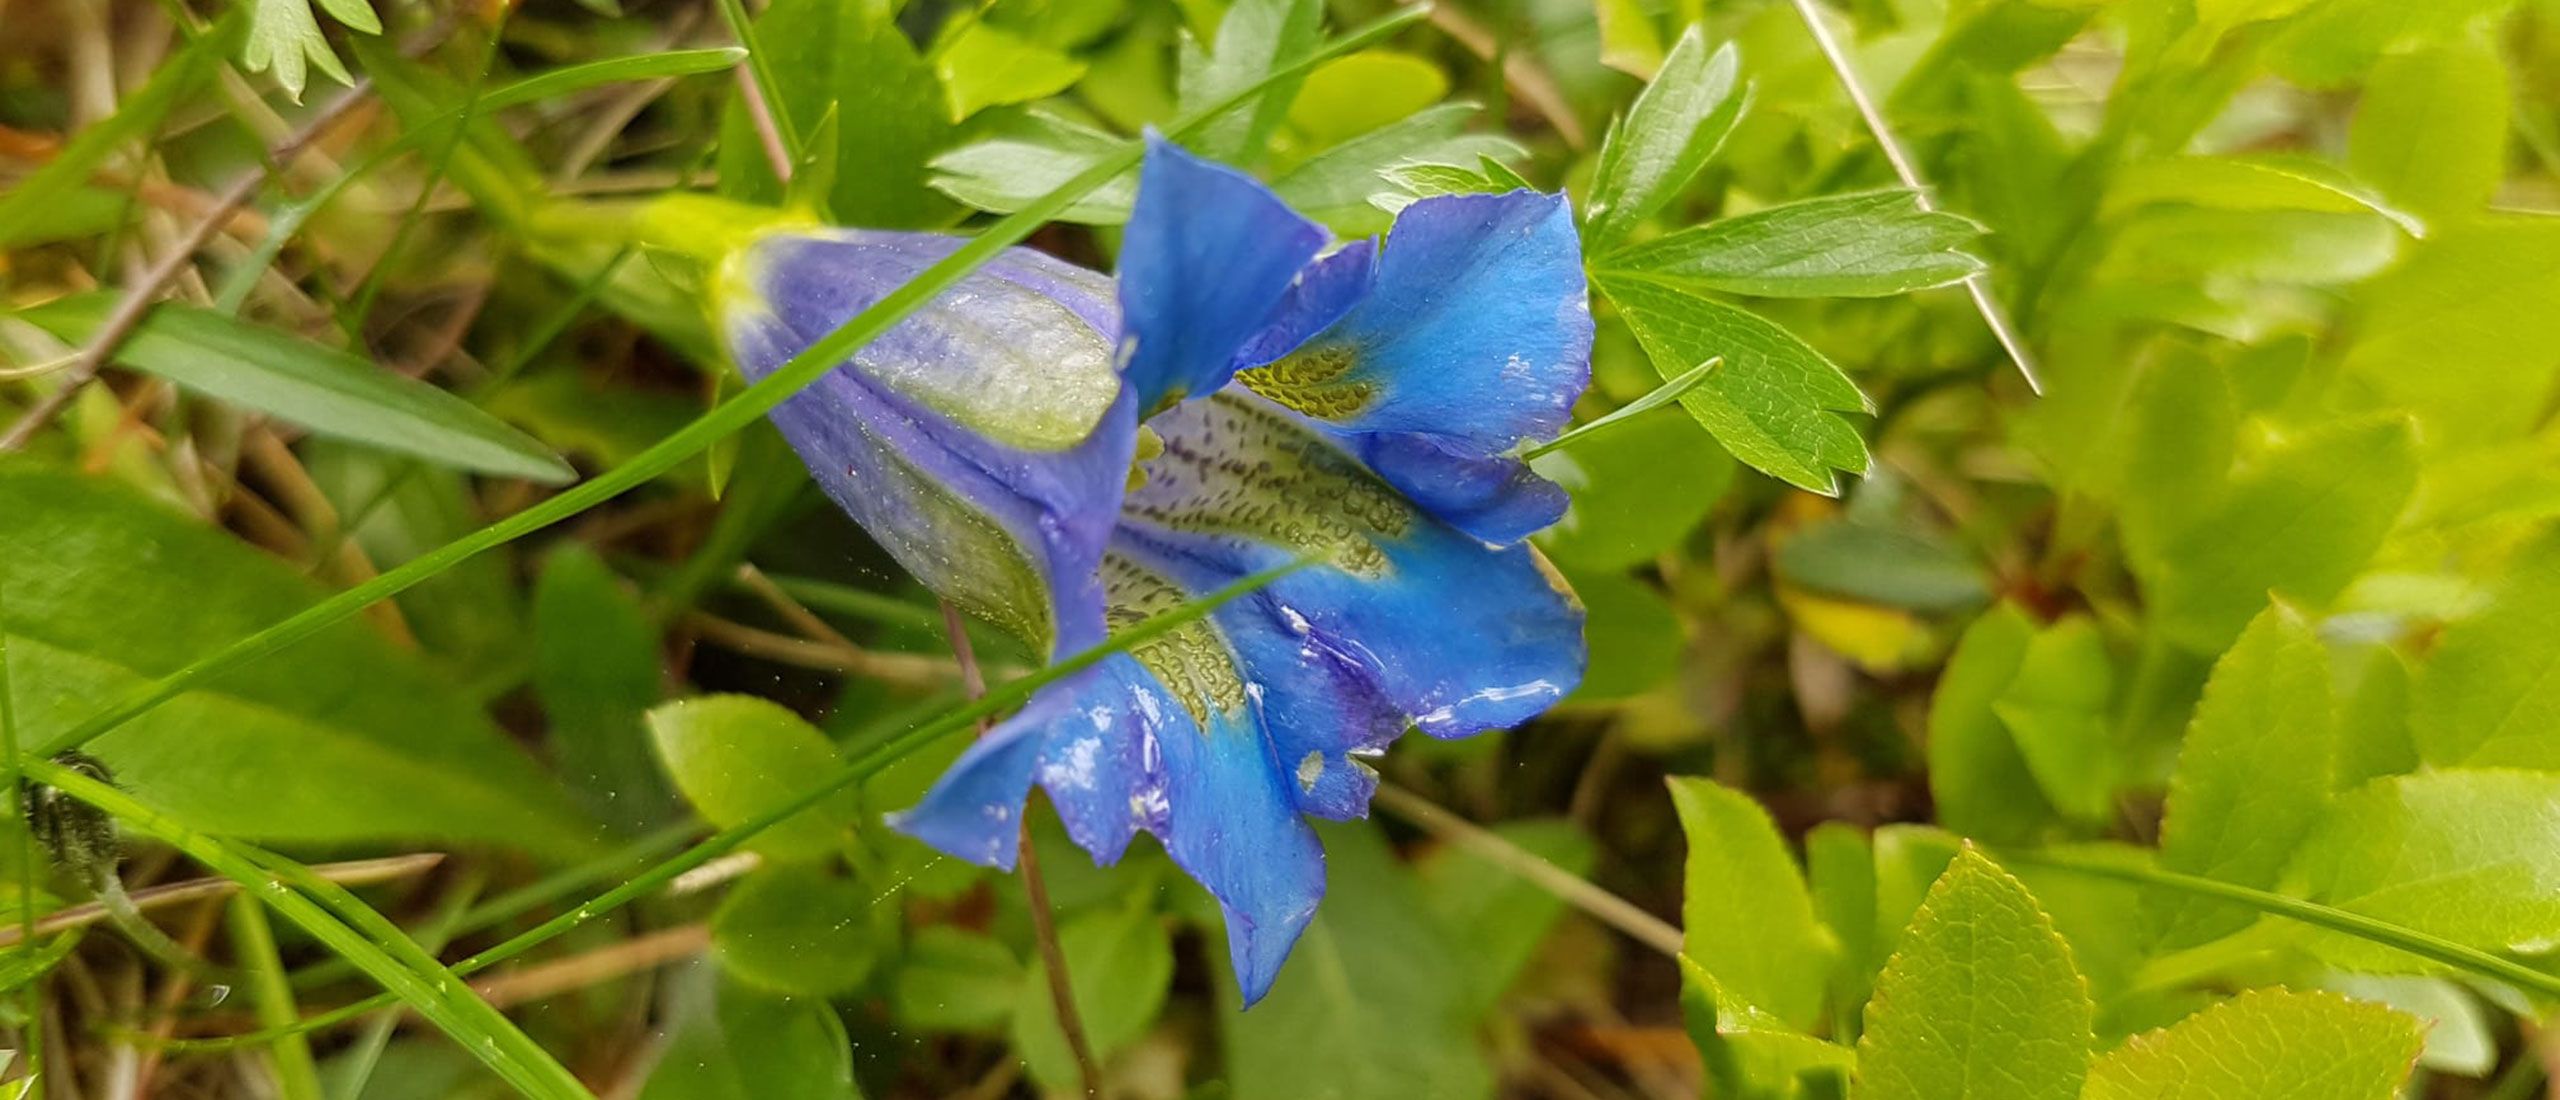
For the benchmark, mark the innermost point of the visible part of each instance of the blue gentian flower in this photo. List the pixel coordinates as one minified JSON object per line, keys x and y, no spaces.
{"x":1063,"y":453}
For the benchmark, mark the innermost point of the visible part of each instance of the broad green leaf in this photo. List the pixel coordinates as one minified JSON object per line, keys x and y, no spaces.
{"x":2431,"y":130}
{"x":2266,"y":1045}
{"x":798,"y":930}
{"x":2254,"y":774}
{"x":1745,"y":915}
{"x":1373,"y":985}
{"x":2461,"y":1039}
{"x":2341,"y":38}
{"x":470,"y":616}
{"x":2373,"y":729}
{"x":38,"y":198}
{"x":2457,"y":333}
{"x":1353,"y":95}
{"x":1026,"y":156}
{"x":734,"y":1043}
{"x":983,"y":65}
{"x":1747,"y":1050}
{"x":890,"y":109}
{"x":2177,"y":450}
{"x":2471,"y":856}
{"x":596,"y":672}
{"x":1491,"y":916}
{"x":1633,"y":634}
{"x":1883,"y":566}
{"x":1256,"y":37}
{"x":1628,"y":41}
{"x":1870,"y":244}
{"x":1667,"y":135}
{"x":1775,"y":403}
{"x":2057,"y":709}
{"x":1335,"y":186}
{"x":328,"y":391}
{"x":2301,"y":521}
{"x":2489,"y":695}
{"x":1981,"y":1001}
{"x":105,"y":589}
{"x":954,"y":980}
{"x":736,"y":756}
{"x":1636,"y":490}
{"x":1840,"y":869}
{"x":1120,"y":963}
{"x":1977,"y":775}
{"x":2228,"y":183}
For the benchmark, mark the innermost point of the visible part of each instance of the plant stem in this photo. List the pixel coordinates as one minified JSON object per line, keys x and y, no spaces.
{"x":1978,"y":284}
{"x":2313,"y":913}
{"x":1044,"y":922}
{"x":1608,"y":908}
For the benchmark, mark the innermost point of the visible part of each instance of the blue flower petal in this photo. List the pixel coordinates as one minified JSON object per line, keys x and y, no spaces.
{"x":1474,"y":336}
{"x":1208,"y":254}
{"x":984,"y":442}
{"x":1119,"y":751}
{"x":1415,"y":619}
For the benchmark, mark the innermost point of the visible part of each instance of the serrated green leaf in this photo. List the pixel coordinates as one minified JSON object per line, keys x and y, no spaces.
{"x":2266,"y":1045}
{"x":1869,"y":244}
{"x":2471,"y":856}
{"x":2254,"y":774}
{"x":328,"y":391}
{"x":1749,"y":1051}
{"x":2489,"y":695}
{"x":1372,"y":984}
{"x":1840,"y":871}
{"x":1670,"y":131}
{"x":106,"y":589}
{"x":1745,"y":915}
{"x":1977,"y":775}
{"x":798,"y":930}
{"x":736,"y":756}
{"x":2301,"y":520}
{"x":1775,"y":403}
{"x":2431,"y":129}
{"x":1120,"y":963}
{"x":284,"y":37}
{"x":1981,"y":1001}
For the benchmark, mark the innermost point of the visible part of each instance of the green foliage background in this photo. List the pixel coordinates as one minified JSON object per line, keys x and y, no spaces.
{"x":2188,"y":729}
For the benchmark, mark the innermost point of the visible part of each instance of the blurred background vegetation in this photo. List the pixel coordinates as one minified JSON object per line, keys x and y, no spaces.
{"x":2287,"y":270}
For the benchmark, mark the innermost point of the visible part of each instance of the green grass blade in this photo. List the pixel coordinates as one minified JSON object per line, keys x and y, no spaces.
{"x":297,"y":1076}
{"x":718,"y":422}
{"x":433,"y":991}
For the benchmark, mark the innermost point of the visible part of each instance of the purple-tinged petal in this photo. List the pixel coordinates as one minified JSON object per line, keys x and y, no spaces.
{"x":1474,"y":336}
{"x":1209,"y":253}
{"x":984,"y":441}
